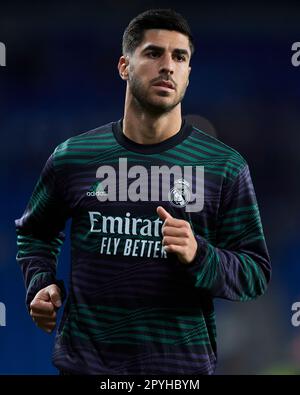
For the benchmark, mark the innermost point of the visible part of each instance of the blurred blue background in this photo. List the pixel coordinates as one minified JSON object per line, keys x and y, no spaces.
{"x":61,"y":79}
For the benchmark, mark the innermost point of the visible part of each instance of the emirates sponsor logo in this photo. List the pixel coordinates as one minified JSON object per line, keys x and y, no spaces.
{"x":143,"y":233}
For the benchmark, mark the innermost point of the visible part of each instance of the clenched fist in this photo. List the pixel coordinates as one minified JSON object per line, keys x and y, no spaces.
{"x":44,"y":306}
{"x":178,"y":236}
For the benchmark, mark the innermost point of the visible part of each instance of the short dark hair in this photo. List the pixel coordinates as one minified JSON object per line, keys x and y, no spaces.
{"x":166,"y":19}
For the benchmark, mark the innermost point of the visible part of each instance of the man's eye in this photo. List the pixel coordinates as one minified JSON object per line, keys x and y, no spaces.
{"x":153,"y":54}
{"x":181,"y":58}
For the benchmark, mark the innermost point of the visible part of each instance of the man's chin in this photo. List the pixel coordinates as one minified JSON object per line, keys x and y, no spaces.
{"x":160,"y":109}
{"x":157,"y":105}
{"x":162,"y":105}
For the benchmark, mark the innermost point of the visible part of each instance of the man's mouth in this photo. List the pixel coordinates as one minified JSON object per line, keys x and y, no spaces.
{"x":165,"y":84}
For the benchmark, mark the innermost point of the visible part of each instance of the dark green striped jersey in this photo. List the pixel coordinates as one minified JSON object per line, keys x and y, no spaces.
{"x":131,"y":307}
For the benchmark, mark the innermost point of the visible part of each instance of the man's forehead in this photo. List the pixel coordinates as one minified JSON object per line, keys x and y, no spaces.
{"x":164,"y":38}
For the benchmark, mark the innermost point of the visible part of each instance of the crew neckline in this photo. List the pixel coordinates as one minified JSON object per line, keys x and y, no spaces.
{"x":131,"y":145}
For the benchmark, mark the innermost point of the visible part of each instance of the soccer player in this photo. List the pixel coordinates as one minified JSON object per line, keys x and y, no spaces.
{"x":146,"y":262}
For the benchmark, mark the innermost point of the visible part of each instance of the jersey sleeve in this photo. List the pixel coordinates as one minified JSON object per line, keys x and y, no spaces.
{"x":238,"y":267}
{"x":40,"y":234}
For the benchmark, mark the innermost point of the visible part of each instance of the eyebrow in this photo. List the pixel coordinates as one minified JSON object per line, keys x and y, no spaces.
{"x":178,"y":51}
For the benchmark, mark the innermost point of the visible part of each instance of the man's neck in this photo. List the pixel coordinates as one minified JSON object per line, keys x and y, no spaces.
{"x":144,"y":128}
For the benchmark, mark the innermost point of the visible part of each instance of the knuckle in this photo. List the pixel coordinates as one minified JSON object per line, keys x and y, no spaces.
{"x":167,"y":230}
{"x":187,"y":225}
{"x":167,"y":222}
{"x":186,"y":233}
{"x":53,"y":291}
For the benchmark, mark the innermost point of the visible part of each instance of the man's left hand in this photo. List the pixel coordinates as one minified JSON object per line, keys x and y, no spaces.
{"x":178,"y":236}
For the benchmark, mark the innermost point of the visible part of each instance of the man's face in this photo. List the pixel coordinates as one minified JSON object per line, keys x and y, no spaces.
{"x":158,"y":70}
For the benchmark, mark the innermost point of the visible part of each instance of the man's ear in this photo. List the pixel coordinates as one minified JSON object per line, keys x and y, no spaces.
{"x":123,"y":67}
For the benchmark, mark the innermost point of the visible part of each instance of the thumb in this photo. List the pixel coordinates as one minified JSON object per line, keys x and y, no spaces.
{"x":54,"y":294}
{"x":163,"y":214}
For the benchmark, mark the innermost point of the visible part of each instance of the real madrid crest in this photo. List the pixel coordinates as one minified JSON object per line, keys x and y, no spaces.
{"x":180,"y":194}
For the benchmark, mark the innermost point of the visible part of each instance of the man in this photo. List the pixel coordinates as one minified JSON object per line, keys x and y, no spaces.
{"x":145,"y":269}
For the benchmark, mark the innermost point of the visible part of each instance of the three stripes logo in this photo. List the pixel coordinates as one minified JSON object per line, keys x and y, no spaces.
{"x":96,"y":190}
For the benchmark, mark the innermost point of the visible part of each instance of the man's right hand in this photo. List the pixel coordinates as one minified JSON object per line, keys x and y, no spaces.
{"x":44,"y":306}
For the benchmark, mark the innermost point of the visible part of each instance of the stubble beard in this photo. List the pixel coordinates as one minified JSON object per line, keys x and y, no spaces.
{"x":152,"y":107}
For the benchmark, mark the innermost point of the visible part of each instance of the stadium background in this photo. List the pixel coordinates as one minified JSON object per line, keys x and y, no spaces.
{"x":61,"y":79}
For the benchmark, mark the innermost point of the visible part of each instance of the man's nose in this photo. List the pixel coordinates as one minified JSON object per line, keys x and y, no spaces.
{"x":167,"y":65}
